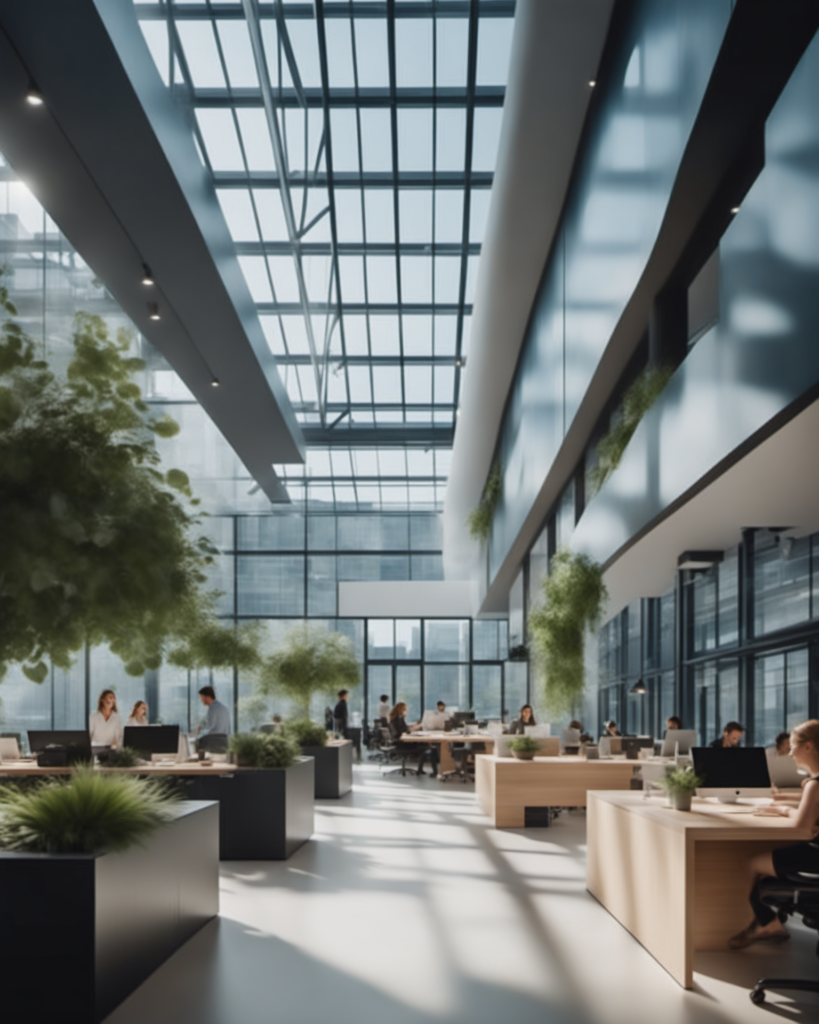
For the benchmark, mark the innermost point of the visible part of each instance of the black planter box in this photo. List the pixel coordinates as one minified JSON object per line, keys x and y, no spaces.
{"x":334,"y":769}
{"x":265,"y":813}
{"x":81,"y":931}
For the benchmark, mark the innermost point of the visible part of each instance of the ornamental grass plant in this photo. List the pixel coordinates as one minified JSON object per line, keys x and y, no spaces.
{"x":91,"y":812}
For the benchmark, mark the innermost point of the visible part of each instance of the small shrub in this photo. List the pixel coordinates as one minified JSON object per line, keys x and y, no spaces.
{"x":679,"y":780}
{"x":120,"y":757}
{"x":90,"y":812}
{"x":263,"y":750}
{"x":523,"y":744}
{"x":306,"y":733}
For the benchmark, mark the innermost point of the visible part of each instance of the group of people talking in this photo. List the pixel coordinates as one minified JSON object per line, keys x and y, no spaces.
{"x":105,"y":726}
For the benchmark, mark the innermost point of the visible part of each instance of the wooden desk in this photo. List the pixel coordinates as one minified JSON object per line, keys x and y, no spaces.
{"x":505,"y":786}
{"x":15,"y":769}
{"x":444,"y":741}
{"x":677,"y":880}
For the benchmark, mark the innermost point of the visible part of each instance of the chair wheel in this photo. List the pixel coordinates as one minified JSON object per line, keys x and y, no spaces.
{"x":758,"y":996}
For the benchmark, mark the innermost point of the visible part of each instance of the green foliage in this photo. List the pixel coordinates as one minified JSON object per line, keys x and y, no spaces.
{"x":306,"y":733}
{"x":523,"y":744}
{"x":211,"y":644}
{"x":309,"y":661}
{"x":95,"y":541}
{"x":264,"y":750}
{"x":120,"y":757}
{"x":638,"y":399}
{"x":255,"y":709}
{"x":91,"y":812}
{"x":479,"y":520}
{"x":679,"y":780}
{"x":574,"y":596}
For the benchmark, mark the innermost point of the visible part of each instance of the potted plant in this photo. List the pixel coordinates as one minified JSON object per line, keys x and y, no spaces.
{"x":265,"y":813}
{"x":334,"y":761}
{"x":524,"y":748}
{"x":82,"y":850}
{"x":574,"y":596}
{"x":680,"y":784}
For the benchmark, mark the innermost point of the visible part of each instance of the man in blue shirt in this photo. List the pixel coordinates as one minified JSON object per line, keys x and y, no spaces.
{"x":218,"y":717}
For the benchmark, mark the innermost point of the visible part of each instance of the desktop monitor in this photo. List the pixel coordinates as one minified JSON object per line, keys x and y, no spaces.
{"x":76,"y":741}
{"x":434,"y":721}
{"x":678,"y":741}
{"x":784,"y":771}
{"x":538,"y":731}
{"x":152,"y":739}
{"x":463,"y":716}
{"x":729,"y":773}
{"x":631,"y":745}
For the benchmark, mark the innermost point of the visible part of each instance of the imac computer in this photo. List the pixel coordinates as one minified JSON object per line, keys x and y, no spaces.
{"x":459,"y":717}
{"x":678,"y":741}
{"x":729,"y":773}
{"x":631,"y":745}
{"x":434,"y":721}
{"x":77,"y":742}
{"x":148,"y":740}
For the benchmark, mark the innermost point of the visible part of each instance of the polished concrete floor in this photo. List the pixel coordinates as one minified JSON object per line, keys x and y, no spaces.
{"x":408,"y":907}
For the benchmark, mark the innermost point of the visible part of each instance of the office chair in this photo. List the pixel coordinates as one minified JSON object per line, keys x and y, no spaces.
{"x":464,"y":764}
{"x":392,"y":755}
{"x":796,"y":894}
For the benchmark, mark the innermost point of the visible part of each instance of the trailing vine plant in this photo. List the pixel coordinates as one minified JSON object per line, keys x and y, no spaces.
{"x":574,"y":596}
{"x":479,"y":520}
{"x":641,"y":394}
{"x":97,"y":543}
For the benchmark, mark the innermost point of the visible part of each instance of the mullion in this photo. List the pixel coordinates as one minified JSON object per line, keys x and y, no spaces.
{"x":395,"y":204}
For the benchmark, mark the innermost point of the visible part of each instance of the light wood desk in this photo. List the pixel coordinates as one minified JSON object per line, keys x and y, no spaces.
{"x":506,"y":786}
{"x":444,"y":741}
{"x":677,"y":880}
{"x":16,"y":769}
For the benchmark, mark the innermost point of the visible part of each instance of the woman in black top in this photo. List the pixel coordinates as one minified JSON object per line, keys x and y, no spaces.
{"x":766,"y":926}
{"x":526,"y":717}
{"x":398,"y":726}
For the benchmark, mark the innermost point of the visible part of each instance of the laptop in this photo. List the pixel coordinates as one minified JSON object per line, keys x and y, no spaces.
{"x":782,"y":769}
{"x":9,"y":749}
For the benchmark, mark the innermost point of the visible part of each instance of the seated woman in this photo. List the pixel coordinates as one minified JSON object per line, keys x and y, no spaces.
{"x":611,"y":728}
{"x":104,"y":724}
{"x":526,"y":717}
{"x":398,"y":726}
{"x":766,"y":926}
{"x":139,"y":714}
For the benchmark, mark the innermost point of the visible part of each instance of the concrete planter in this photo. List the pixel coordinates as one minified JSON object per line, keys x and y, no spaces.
{"x":82,"y":931}
{"x":334,"y":769}
{"x":265,"y":813}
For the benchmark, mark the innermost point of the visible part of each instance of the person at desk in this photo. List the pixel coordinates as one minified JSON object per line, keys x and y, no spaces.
{"x":217,"y":720}
{"x":341,"y":714}
{"x":398,"y":726}
{"x":139,"y":714}
{"x":781,"y":745}
{"x":383,"y":710}
{"x":104,"y":724}
{"x":673,"y":722}
{"x":611,"y":728}
{"x":731,"y":736}
{"x":526,"y":717}
{"x":766,"y":926}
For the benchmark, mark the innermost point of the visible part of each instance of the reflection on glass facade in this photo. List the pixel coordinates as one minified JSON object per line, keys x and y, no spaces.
{"x":748,"y":640}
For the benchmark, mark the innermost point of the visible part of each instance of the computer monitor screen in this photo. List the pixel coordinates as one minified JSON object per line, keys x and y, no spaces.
{"x":732,"y":772}
{"x":152,"y":739}
{"x":76,"y":741}
{"x":538,"y":731}
{"x":784,"y":771}
{"x":434,"y":721}
{"x":464,"y":716}
{"x":631,"y":745}
{"x":678,"y":741}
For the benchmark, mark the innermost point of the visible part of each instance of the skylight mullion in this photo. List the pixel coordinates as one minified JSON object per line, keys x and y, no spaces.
{"x":395,"y":204}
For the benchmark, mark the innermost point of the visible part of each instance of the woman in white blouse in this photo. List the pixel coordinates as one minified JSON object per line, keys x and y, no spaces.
{"x":139,"y":714}
{"x":104,"y":724}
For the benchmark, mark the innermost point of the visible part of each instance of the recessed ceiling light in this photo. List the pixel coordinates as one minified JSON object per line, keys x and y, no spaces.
{"x":153,"y":311}
{"x":215,"y":382}
{"x":34,"y":97}
{"x":592,"y":83}
{"x":147,"y":276}
{"x":734,"y":209}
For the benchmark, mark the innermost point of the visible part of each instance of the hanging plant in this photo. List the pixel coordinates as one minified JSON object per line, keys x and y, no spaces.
{"x":641,"y":394}
{"x":574,"y":596}
{"x":96,"y":541}
{"x":480,"y":518}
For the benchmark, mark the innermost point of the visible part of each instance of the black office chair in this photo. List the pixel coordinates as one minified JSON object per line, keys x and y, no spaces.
{"x":392,"y":755}
{"x":796,"y":894}
{"x":213,"y":743}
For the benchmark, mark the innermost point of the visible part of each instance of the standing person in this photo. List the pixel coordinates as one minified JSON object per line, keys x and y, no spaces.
{"x":139,"y":714}
{"x":804,"y":813}
{"x":731,"y":736}
{"x":217,"y":721}
{"x":526,"y":717}
{"x":398,"y":726}
{"x":104,"y":724}
{"x":383,"y":706}
{"x":341,"y":714}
